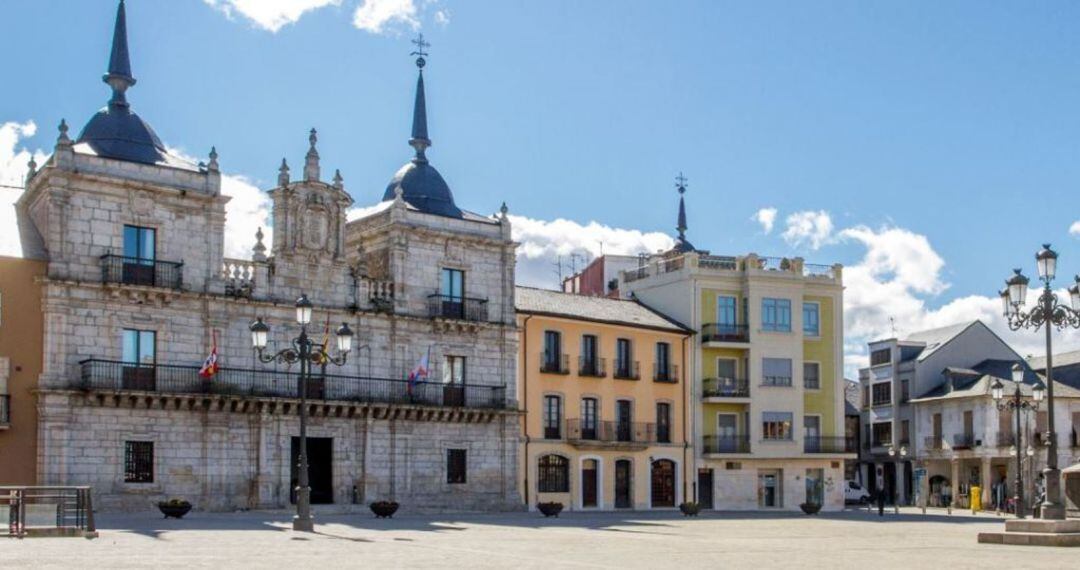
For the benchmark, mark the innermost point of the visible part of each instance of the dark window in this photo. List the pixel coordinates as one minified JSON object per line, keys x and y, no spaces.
{"x":455,"y":466}
{"x":140,"y":243}
{"x":882,"y":394}
{"x":882,"y":434}
{"x":623,"y":355}
{"x":588,"y":355}
{"x":663,"y":361}
{"x":663,"y":422}
{"x":552,"y":351}
{"x":905,"y":432}
{"x":905,"y":394}
{"x":880,"y":356}
{"x":588,"y":418}
{"x":453,"y":284}
{"x":811,"y":375}
{"x":552,"y":417}
{"x":624,"y":410}
{"x":554,"y":476}
{"x":776,"y":371}
{"x":138,"y":462}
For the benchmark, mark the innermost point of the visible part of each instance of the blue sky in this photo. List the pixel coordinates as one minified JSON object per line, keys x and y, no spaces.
{"x":928,"y":146}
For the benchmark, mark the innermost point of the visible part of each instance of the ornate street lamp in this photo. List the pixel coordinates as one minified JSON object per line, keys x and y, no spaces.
{"x":1047,"y":313}
{"x":896,"y":481}
{"x":306,"y":352}
{"x":1017,"y":405}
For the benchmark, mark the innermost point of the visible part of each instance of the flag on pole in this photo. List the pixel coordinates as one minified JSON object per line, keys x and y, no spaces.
{"x":325,"y":342}
{"x":210,"y":365}
{"x":420,"y":372}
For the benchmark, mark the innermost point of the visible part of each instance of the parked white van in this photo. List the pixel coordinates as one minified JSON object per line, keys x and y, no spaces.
{"x":854,"y":492}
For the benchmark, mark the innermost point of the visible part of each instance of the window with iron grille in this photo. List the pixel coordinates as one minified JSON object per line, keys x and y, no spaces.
{"x":455,"y":466}
{"x":138,"y":462}
{"x":554,"y":475}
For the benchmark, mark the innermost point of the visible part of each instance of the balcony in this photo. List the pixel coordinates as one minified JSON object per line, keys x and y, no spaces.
{"x":114,"y":376}
{"x":668,"y":374}
{"x":592,"y":367}
{"x":457,"y":308}
{"x":626,"y":370}
{"x":554,"y":363}
{"x":609,"y":433}
{"x":726,"y":444}
{"x":725,"y":388}
{"x":934,"y":443}
{"x":819,"y":444}
{"x":717,"y":332}
{"x":5,"y":411}
{"x":963,"y":441}
{"x":138,"y":271}
{"x":1005,"y":439}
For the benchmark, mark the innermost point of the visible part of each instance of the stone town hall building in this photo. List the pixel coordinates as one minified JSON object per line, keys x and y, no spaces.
{"x":137,"y":287}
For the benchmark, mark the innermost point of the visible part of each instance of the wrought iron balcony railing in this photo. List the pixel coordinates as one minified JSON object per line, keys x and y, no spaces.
{"x":138,"y":271}
{"x":726,"y":444}
{"x":820,"y":444}
{"x":963,"y":441}
{"x":668,"y":374}
{"x":725,"y":388}
{"x":1005,"y":439}
{"x":610,"y":431}
{"x":177,"y":379}
{"x":934,"y":442}
{"x":460,"y":308}
{"x":593,"y":367}
{"x":5,"y":410}
{"x":719,"y":332}
{"x":554,"y":363}
{"x":626,"y":370}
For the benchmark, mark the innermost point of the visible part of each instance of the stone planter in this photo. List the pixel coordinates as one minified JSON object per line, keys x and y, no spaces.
{"x":810,"y":508}
{"x":174,"y":509}
{"x":550,"y":509}
{"x":690,"y":509}
{"x":384,"y":509}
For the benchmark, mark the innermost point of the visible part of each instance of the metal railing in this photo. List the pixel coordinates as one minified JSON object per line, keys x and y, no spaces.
{"x":723,"y":262}
{"x":460,"y":308}
{"x":726,"y":444}
{"x":725,"y":388}
{"x":554,"y":364}
{"x":610,"y":431}
{"x":139,"y":271}
{"x":668,"y":374}
{"x":1005,"y":439}
{"x":176,"y":379}
{"x":47,"y":511}
{"x":593,"y":367}
{"x":625,"y":370}
{"x":5,"y":409}
{"x":934,"y":442}
{"x":823,"y":444}
{"x":719,"y":332}
{"x":783,"y":381}
{"x":818,"y":270}
{"x":963,"y":441}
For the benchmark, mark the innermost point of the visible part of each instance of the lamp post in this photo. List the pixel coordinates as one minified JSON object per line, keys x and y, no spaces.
{"x":1017,"y":404}
{"x":896,"y":480}
{"x":306,"y":352}
{"x":1047,"y":313}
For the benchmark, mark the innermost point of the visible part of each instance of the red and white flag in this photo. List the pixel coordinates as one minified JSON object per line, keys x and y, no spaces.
{"x":420,"y":372}
{"x":210,"y":365}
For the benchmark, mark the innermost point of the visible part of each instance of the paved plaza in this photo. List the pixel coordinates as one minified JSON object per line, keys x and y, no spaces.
{"x":525,"y":540}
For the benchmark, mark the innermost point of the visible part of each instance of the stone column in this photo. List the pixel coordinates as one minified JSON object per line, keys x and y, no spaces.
{"x":954,"y":480}
{"x":984,"y":480}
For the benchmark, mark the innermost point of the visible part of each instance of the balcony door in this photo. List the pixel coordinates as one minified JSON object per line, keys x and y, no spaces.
{"x":726,"y":372}
{"x":623,"y":482}
{"x":812,"y":433}
{"x":140,"y":252}
{"x":725,"y":315}
{"x":453,"y":380}
{"x":588,"y":418}
{"x":726,"y":432}
{"x":139,"y":357}
{"x":589,"y":364}
{"x":452,"y":293}
{"x":623,"y":420}
{"x":552,"y":351}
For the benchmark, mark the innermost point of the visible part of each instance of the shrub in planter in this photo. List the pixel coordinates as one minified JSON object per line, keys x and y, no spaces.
{"x":690,"y":509}
{"x":551,"y":509}
{"x":384,"y":509}
{"x":174,"y":508}
{"x":810,"y":508}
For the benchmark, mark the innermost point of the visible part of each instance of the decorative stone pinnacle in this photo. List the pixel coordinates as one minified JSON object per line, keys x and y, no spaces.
{"x":259,"y":251}
{"x":63,"y":138}
{"x":31,"y":168}
{"x":503,"y":210}
{"x":399,"y":195}
{"x":311,"y":162}
{"x":213,"y":158}
{"x":283,"y":174}
{"x":338,"y":180}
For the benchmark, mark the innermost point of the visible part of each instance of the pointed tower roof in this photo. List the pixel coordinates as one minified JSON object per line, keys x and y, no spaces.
{"x":421,"y":185}
{"x":115,"y":131}
{"x":681,"y":244}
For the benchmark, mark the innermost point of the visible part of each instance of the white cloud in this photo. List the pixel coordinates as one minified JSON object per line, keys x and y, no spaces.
{"x":1074,"y":229}
{"x":543,"y":241}
{"x":270,"y":15}
{"x":13,"y":168}
{"x":767,"y":218}
{"x":380,"y":16}
{"x":442,"y":17}
{"x":809,"y":228}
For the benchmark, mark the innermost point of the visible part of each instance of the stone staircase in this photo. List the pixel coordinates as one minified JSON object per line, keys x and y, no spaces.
{"x":1036,"y":532}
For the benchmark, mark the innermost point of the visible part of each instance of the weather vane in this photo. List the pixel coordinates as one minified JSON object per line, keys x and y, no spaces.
{"x":680,"y":183}
{"x":420,"y":53}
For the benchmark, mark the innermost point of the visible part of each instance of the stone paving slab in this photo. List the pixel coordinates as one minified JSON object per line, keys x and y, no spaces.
{"x":852,"y":539}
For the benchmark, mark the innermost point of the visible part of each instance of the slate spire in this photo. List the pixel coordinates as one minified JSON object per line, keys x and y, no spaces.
{"x":119,"y":76}
{"x":681,"y":245}
{"x":420,"y":140}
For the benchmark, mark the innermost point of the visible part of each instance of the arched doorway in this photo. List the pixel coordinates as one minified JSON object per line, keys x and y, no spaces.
{"x":589,"y":482}
{"x":622,"y":484}
{"x":663,"y":483}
